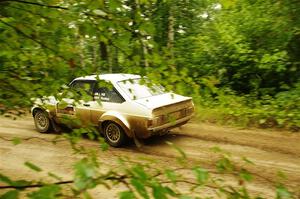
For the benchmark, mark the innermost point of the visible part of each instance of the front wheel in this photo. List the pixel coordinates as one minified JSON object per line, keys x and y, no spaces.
{"x":114,"y":134}
{"x":42,"y":122}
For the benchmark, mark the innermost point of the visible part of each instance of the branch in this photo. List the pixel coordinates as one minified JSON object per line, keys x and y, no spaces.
{"x":34,"y":185}
{"x":35,"y":3}
{"x":119,"y":178}
{"x":30,"y":138}
{"x":29,"y":11}
{"x":31,"y":38}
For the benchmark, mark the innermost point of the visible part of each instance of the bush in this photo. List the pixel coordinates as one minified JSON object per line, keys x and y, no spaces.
{"x":280,"y":111}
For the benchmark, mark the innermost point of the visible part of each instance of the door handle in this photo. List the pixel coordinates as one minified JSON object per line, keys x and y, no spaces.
{"x":86,"y":105}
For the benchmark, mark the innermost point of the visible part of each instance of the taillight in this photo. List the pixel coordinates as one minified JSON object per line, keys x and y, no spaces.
{"x":190,"y":111}
{"x":158,"y":120}
{"x":149,"y":122}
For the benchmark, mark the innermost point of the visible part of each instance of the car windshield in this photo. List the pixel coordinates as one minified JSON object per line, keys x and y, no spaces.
{"x":140,"y":88}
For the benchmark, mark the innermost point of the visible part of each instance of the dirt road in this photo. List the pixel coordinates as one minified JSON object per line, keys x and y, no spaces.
{"x":271,"y":152}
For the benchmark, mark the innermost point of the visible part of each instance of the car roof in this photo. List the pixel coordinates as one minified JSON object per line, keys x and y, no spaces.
{"x":112,"y":77}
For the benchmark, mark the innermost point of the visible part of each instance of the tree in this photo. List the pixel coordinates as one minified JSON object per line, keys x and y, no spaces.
{"x":248,"y":45}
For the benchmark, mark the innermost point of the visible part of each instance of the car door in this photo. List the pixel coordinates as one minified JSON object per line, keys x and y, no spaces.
{"x":76,"y":109}
{"x":106,"y":98}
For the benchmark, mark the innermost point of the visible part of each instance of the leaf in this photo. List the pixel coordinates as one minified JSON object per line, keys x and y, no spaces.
{"x":123,"y":40}
{"x":247,"y":160}
{"x":282,"y":192}
{"x":170,"y":191}
{"x":159,"y":192}
{"x":86,"y":195}
{"x":140,"y":173}
{"x":140,"y":188}
{"x":63,"y":104}
{"x":148,"y":27}
{"x":18,"y":183}
{"x":21,"y":183}
{"x":180,"y":151}
{"x":224,"y":164}
{"x":54,"y":176}
{"x":13,"y":194}
{"x":245,"y":175}
{"x":262,"y":121}
{"x":114,"y":4}
{"x":5,"y":179}
{"x":216,"y":149}
{"x":228,"y":3}
{"x":33,"y":166}
{"x":281,"y":175}
{"x":46,"y":192}
{"x":100,"y":12}
{"x":16,"y":141}
{"x":171,"y":175}
{"x":84,"y":173}
{"x":126,"y":195}
{"x":103,"y":145}
{"x":201,"y":175}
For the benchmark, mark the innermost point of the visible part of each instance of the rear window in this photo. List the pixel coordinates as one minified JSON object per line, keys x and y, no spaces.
{"x":140,"y":88}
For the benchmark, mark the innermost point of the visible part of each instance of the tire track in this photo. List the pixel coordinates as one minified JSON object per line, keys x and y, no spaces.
{"x":224,"y":140}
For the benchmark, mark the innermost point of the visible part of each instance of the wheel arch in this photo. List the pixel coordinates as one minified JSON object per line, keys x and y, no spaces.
{"x":34,"y":110}
{"x":118,"y":118}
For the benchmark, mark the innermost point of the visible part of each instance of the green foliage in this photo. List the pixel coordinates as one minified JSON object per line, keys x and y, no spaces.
{"x":202,"y":175}
{"x":144,"y":180}
{"x":84,"y":174}
{"x":13,"y":194}
{"x":282,"y":192}
{"x":126,"y":195}
{"x":46,"y":192}
{"x":248,"y":46}
{"x":245,"y":175}
{"x":32,"y":166}
{"x":18,"y":184}
{"x":16,"y":141}
{"x":171,"y":175}
{"x":239,"y":59}
{"x":280,"y":111}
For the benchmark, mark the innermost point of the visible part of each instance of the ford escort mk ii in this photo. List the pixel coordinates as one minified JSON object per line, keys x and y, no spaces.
{"x":126,"y":106}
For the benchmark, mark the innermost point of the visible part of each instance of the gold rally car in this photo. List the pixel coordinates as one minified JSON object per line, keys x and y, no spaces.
{"x":126,"y":107}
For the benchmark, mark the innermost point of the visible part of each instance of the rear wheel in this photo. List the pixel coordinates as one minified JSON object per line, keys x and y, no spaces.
{"x":42,"y":122}
{"x":114,"y":134}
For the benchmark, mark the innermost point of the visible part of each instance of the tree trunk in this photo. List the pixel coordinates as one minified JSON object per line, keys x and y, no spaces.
{"x":95,"y":57}
{"x":81,"y":54}
{"x":103,"y":51}
{"x":171,"y":24}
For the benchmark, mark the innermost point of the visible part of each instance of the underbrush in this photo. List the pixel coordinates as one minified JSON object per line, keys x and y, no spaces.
{"x":225,"y":107}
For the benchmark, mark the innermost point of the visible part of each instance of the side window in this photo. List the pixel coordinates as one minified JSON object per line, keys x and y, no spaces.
{"x":109,"y":95}
{"x":83,"y":87}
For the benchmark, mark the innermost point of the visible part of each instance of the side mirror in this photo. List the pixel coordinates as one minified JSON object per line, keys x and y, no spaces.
{"x":96,"y":96}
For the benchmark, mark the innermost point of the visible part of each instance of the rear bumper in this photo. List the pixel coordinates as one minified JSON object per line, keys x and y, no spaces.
{"x":170,"y":125}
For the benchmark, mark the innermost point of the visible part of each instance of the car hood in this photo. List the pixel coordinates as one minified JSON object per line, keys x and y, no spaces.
{"x":157,"y":101}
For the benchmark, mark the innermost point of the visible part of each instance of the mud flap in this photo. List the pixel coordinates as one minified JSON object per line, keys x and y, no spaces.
{"x":55,"y":126}
{"x":137,"y":142}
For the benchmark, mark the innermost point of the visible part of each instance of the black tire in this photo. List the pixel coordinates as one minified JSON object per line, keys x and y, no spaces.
{"x":114,"y":134}
{"x":42,"y":122}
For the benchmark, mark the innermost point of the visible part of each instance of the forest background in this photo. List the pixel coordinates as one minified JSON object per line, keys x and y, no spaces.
{"x":238,"y":59}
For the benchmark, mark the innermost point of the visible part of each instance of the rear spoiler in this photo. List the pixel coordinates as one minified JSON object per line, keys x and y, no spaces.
{"x":179,"y":105}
